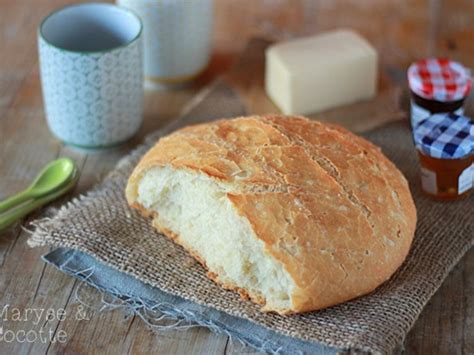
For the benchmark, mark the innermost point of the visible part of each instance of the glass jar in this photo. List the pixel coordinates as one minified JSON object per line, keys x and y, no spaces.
{"x":446,"y":179}
{"x":437,"y":86}
{"x":445,"y":144}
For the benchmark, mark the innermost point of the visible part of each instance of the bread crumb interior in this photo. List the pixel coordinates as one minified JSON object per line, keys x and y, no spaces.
{"x":196,"y":208}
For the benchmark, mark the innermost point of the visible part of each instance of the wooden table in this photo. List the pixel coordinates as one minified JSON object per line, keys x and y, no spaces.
{"x":402,"y":32}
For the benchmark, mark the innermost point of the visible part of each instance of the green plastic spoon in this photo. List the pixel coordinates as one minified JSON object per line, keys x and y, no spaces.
{"x":12,"y":216}
{"x":52,"y":177}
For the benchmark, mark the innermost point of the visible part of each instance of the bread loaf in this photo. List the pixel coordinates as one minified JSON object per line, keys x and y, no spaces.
{"x":294,"y":214}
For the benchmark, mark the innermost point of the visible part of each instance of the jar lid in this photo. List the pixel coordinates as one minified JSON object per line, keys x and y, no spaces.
{"x":445,"y":136}
{"x":439,"y":79}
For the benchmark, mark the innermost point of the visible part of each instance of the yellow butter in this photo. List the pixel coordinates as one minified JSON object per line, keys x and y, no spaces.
{"x":316,"y":73}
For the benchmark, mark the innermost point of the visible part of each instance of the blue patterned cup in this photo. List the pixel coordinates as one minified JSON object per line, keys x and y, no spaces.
{"x":92,"y":74}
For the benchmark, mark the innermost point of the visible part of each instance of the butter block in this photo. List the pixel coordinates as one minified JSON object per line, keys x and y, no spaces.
{"x":316,"y":73}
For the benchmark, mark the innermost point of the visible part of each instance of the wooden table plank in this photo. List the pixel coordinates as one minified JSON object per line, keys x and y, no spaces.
{"x":35,"y":287}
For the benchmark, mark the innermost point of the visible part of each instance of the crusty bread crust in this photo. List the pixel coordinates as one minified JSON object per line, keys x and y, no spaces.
{"x":327,"y":204}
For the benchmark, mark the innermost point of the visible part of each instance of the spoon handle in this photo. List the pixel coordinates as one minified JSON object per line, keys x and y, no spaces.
{"x":15,"y":200}
{"x":20,"y":212}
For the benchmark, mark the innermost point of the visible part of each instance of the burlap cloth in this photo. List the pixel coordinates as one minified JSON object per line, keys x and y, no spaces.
{"x":101,"y":224}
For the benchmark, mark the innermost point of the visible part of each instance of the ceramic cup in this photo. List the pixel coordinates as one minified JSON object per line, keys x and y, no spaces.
{"x":92,"y":74}
{"x":177,"y":37}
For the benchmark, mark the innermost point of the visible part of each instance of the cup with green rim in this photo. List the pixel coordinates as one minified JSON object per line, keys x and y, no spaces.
{"x":92,"y":73}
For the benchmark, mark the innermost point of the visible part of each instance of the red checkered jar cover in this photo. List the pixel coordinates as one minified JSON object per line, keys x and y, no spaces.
{"x":439,"y":79}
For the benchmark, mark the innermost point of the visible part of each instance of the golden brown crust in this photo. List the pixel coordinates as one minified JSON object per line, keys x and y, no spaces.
{"x":326,"y":203}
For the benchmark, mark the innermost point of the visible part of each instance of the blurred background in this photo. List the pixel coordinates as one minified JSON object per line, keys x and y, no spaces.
{"x":401,"y":30}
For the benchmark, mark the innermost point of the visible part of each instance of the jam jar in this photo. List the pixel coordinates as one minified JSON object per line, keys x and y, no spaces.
{"x":445,"y":144}
{"x":437,"y":86}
